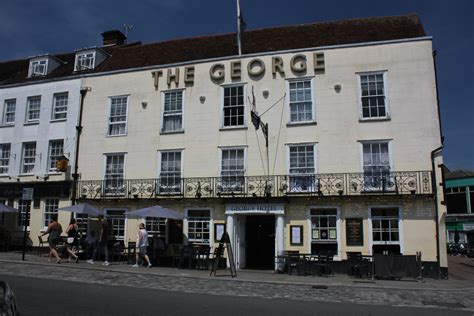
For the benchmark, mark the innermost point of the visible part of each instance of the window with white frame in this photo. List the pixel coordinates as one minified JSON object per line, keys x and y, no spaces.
{"x":156,"y":226}
{"x":385,"y":228}
{"x":170,"y":172}
{"x":60,"y":102}
{"x":4,"y":158}
{"x":9,"y":112}
{"x":24,"y":207}
{"x":302,"y":167}
{"x":232,"y":169}
{"x":50,"y":209}
{"x":301,"y":101}
{"x":172,"y":111}
{"x":82,"y":221}
{"x":116,"y":224}
{"x":234,"y":106}
{"x":56,"y":148}
{"x":324,"y":225}
{"x":39,"y":67}
{"x":118,"y":116}
{"x":376,"y":159}
{"x":33,"y":107}
{"x":199,"y":226}
{"x":373,"y":95}
{"x":85,"y":61}
{"x":114,"y":174}
{"x":28,"y":157}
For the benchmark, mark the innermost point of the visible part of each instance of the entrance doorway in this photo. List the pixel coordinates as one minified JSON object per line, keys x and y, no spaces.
{"x":260,"y":242}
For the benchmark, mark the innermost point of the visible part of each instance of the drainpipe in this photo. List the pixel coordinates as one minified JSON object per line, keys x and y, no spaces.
{"x":434,"y":183}
{"x":75,"y":175}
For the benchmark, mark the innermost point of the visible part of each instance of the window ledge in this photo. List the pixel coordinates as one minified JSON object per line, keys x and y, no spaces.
{"x":301,"y":123}
{"x":376,"y":119}
{"x":4,"y":175}
{"x":53,"y":173}
{"x":112,"y":136}
{"x":31,"y":123}
{"x":236,"y":128}
{"x":24,"y":175}
{"x":7,"y":125}
{"x":171,"y":132}
{"x":58,"y":120}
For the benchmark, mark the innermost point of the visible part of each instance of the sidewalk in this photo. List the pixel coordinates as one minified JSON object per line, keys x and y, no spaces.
{"x":448,"y":294}
{"x":257,"y":276}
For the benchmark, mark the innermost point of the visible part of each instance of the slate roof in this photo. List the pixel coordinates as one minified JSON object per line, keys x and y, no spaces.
{"x":254,"y":41}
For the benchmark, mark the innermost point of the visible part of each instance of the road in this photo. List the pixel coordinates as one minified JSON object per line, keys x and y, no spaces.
{"x":57,"y":297}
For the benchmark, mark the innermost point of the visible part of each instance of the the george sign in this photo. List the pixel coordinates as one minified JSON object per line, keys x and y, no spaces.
{"x":27,"y":194}
{"x":468,"y":227}
{"x":263,"y":208}
{"x":354,"y":232}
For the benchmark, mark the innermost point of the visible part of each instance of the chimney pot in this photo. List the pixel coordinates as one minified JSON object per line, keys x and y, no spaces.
{"x":113,"y":37}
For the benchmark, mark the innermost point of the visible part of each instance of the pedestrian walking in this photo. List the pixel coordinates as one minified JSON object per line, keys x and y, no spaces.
{"x":54,"y":232}
{"x":142,"y":244}
{"x":102,"y":244}
{"x":71,"y":241}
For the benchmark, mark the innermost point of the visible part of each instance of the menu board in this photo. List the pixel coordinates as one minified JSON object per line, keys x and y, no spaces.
{"x":354,"y":232}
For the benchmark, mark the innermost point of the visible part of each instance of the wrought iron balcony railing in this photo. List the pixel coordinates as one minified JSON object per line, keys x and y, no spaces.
{"x":333,"y":184}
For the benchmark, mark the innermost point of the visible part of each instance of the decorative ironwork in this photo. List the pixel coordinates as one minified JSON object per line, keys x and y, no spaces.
{"x":331,"y":184}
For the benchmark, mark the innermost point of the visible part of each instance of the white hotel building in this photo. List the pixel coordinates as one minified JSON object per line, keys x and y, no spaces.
{"x":353,"y":140}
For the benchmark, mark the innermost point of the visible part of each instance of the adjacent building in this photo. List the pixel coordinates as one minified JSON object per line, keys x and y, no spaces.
{"x":459,"y":187}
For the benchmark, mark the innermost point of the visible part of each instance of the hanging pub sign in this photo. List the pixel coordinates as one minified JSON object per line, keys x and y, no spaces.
{"x":354,"y":232}
{"x":62,"y":163}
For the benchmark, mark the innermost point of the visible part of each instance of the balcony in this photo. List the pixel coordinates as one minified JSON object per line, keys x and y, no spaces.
{"x":333,"y":184}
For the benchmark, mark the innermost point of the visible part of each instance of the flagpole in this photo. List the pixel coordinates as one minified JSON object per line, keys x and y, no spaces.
{"x":238,"y":28}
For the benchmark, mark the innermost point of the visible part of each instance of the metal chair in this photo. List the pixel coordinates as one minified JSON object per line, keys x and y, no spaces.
{"x":41,"y":246}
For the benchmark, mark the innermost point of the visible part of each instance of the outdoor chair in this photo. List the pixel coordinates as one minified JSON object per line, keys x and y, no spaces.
{"x":203,"y":257}
{"x":119,"y":253}
{"x":357,"y":265}
{"x":295,"y":263}
{"x":175,"y":256}
{"x":131,"y":251}
{"x":41,"y":245}
{"x":185,"y":258}
{"x":324,"y":264}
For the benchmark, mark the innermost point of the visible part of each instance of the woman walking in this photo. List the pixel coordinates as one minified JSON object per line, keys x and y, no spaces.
{"x":54,"y":230}
{"x":71,"y":232}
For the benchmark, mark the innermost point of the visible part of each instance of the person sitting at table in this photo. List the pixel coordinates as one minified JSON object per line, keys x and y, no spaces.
{"x":142,"y":244}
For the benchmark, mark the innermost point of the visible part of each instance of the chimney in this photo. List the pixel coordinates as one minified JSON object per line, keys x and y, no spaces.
{"x":113,"y":37}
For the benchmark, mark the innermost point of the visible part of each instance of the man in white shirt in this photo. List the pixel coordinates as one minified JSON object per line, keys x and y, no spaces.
{"x":142,"y":244}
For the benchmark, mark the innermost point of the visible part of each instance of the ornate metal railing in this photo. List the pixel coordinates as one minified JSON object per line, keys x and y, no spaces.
{"x":332,"y":184}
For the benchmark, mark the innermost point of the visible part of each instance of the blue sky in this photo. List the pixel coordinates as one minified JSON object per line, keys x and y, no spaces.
{"x":32,"y":27}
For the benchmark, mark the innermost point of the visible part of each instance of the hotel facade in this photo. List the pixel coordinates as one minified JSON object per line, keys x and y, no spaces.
{"x":345,"y":158}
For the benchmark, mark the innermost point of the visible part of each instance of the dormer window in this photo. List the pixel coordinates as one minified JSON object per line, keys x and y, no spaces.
{"x":43,"y":65}
{"x":38,"y":67}
{"x":85,"y":61}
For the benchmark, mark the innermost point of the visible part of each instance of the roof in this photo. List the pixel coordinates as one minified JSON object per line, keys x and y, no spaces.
{"x":217,"y":46}
{"x":458,"y":174}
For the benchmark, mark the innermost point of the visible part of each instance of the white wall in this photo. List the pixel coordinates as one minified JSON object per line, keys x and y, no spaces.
{"x":45,"y":130}
{"x":413,"y":128}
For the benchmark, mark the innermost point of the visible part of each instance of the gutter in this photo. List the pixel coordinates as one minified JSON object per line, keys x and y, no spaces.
{"x":75,"y":175}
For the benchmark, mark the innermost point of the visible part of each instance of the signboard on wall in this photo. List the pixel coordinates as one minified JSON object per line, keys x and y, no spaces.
{"x":354,"y":232}
{"x":250,"y":208}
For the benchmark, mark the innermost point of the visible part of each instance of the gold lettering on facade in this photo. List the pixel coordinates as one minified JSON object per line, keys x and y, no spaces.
{"x":277,"y":65}
{"x":319,"y":65}
{"x":235,"y":70}
{"x":298,"y":63}
{"x":189,"y":74}
{"x":217,"y":72}
{"x":256,"y":67}
{"x":173,"y":77}
{"x":156,"y":75}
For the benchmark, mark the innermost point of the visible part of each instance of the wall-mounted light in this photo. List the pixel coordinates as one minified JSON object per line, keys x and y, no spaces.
{"x":265,"y":93}
{"x":202,"y":99}
{"x":144,"y":104}
{"x":337,"y":88}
